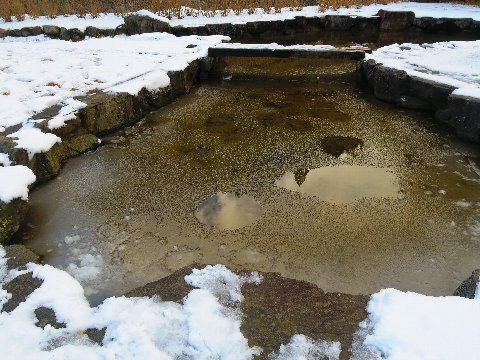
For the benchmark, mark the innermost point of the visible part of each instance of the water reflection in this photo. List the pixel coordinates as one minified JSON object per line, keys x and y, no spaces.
{"x":342,"y":184}
{"x":228,"y":211}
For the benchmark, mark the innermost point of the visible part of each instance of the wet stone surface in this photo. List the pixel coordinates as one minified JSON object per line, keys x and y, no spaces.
{"x":128,"y":213}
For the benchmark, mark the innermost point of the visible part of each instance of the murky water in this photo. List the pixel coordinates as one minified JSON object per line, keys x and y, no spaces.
{"x":240,"y":173}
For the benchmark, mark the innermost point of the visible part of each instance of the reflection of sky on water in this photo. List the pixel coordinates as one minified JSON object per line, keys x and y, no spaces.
{"x":228,"y":211}
{"x":342,"y":184}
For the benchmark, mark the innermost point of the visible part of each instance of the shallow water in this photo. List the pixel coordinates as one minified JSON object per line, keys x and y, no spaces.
{"x":201,"y":181}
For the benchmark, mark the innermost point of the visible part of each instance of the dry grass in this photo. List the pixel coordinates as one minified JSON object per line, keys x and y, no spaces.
{"x":168,"y":8}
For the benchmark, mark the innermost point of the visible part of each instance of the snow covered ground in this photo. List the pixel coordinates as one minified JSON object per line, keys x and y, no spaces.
{"x":37,"y":73}
{"x":205,"y":326}
{"x":455,"y":63}
{"x":112,"y":21}
{"x":418,"y":327}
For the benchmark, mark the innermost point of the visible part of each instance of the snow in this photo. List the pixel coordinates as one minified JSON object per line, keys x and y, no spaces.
{"x":111,"y":21}
{"x":455,"y":63}
{"x":202,"y":327}
{"x":421,"y":10}
{"x":34,"y":140}
{"x":302,"y":347}
{"x":4,"y":159}
{"x":406,"y":325}
{"x":14,"y":182}
{"x":39,"y":73}
{"x":102,"y":21}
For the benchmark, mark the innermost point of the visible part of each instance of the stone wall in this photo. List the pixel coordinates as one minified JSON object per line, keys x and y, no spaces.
{"x":104,"y":114}
{"x":386,"y":21}
{"x":461,"y":113}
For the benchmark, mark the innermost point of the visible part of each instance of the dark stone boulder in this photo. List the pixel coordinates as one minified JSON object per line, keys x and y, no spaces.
{"x":433,"y":93}
{"x":468,"y":287}
{"x":366,"y":25}
{"x":463,"y":114}
{"x":83,"y":143}
{"x":339,"y":22}
{"x":445,"y":25}
{"x":3,"y":33}
{"x":51,"y":31}
{"x":47,"y":165}
{"x":46,"y":316}
{"x":11,"y":216}
{"x":14,"y":32}
{"x":390,"y":84}
{"x":20,"y":288}
{"x":105,"y":113}
{"x":139,"y":24}
{"x":96,"y":335}
{"x":395,"y":20}
{"x":31,"y":31}
{"x":71,"y":35}
{"x":98,"y":33}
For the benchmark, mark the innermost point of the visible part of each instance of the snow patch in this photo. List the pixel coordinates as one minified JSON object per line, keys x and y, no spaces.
{"x":454,"y":63}
{"x":5,"y":160}
{"x":302,"y":347}
{"x":203,"y":327}
{"x":407,"y":325}
{"x":14,"y":182}
{"x":34,"y":140}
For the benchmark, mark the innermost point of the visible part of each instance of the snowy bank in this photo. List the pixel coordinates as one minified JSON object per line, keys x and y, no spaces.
{"x":413,"y":326}
{"x":111,"y":21}
{"x":14,"y":182}
{"x":205,"y":326}
{"x":455,"y":63}
{"x":38,"y":73}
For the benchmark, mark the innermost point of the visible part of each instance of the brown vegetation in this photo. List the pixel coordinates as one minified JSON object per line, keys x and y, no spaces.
{"x":168,"y":8}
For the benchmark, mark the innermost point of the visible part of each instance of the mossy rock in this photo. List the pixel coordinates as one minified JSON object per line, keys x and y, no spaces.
{"x":47,"y":165}
{"x":83,"y":143}
{"x":11,"y":216}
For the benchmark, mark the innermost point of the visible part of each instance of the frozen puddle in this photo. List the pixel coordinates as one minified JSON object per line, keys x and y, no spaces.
{"x":342,"y":184}
{"x":229,"y":211}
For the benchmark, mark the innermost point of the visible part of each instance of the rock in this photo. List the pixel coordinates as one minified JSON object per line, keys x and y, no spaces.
{"x":14,"y":32}
{"x":3,"y":33}
{"x":395,"y":20}
{"x":468,"y":287}
{"x":19,"y":256}
{"x":96,"y":335}
{"x":98,"y":33}
{"x":51,"y":31}
{"x":11,"y":216}
{"x":31,"y":31}
{"x":390,"y":84}
{"x":47,"y":165}
{"x":46,"y":316}
{"x":446,"y":25}
{"x":278,"y":308}
{"x":20,"y":288}
{"x":462,"y":114}
{"x":433,"y":93}
{"x":83,"y":143}
{"x":105,"y":113}
{"x":138,"y":24}
{"x":71,"y":35}
{"x":339,"y":22}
